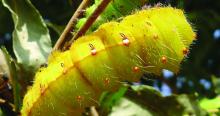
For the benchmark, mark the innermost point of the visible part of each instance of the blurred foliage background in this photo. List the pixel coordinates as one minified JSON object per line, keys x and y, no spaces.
{"x":200,"y":72}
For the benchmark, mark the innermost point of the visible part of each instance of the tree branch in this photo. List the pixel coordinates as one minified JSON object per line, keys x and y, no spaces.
{"x":66,"y":35}
{"x":101,"y":7}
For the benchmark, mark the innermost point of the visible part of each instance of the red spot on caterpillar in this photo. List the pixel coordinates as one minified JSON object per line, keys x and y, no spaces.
{"x":79,"y":98}
{"x":64,"y":71}
{"x":185,"y":51}
{"x":107,"y":81}
{"x":125,"y":40}
{"x":93,"y":50}
{"x":164,"y":59}
{"x":136,"y":69}
{"x":42,"y":88}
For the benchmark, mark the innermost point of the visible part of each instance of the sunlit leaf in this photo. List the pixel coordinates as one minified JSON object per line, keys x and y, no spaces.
{"x":31,"y":40}
{"x":3,"y":64}
{"x":126,"y":107}
{"x":108,"y":100}
{"x":211,"y":105}
{"x":216,"y":83}
{"x":145,"y":100}
{"x":13,"y":75}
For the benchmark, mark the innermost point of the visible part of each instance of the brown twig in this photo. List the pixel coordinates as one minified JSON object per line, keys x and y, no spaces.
{"x":101,"y":7}
{"x":66,"y":35}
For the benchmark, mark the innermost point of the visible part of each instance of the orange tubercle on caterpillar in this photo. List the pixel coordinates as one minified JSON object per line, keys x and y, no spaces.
{"x":125,"y":40}
{"x":136,"y":69}
{"x":42,"y":89}
{"x":106,"y":81}
{"x":164,"y":60}
{"x":64,"y":71}
{"x":185,"y":51}
{"x":79,"y":98}
{"x":93,"y":49}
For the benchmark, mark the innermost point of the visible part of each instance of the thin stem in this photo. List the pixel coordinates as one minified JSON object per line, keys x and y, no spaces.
{"x":93,"y":111}
{"x":101,"y":7}
{"x":14,"y":79}
{"x":66,"y":35}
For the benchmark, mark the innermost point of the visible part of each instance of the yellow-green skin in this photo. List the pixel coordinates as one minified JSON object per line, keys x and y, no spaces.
{"x":156,"y":39}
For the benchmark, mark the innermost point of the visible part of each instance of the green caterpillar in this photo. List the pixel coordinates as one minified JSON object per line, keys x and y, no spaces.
{"x":115,"y":10}
{"x":146,"y":41}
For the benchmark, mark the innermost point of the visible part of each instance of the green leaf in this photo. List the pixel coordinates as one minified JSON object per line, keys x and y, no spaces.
{"x":13,"y":76}
{"x":31,"y":40}
{"x":216,"y":83}
{"x":108,"y":99}
{"x":145,"y":100}
{"x":3,"y":64}
{"x":126,"y":107}
{"x":57,"y":28}
{"x":1,"y":113}
{"x":211,"y":105}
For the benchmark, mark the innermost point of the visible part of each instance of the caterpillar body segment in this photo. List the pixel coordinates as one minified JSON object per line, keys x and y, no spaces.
{"x":147,"y":41}
{"x":55,"y":88}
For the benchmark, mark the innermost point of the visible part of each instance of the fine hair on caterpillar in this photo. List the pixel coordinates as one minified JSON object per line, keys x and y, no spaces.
{"x":146,"y":41}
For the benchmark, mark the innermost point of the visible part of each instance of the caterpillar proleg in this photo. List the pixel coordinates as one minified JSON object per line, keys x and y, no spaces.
{"x":144,"y":42}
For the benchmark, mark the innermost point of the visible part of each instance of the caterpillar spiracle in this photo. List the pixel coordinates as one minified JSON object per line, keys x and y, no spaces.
{"x":146,"y":41}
